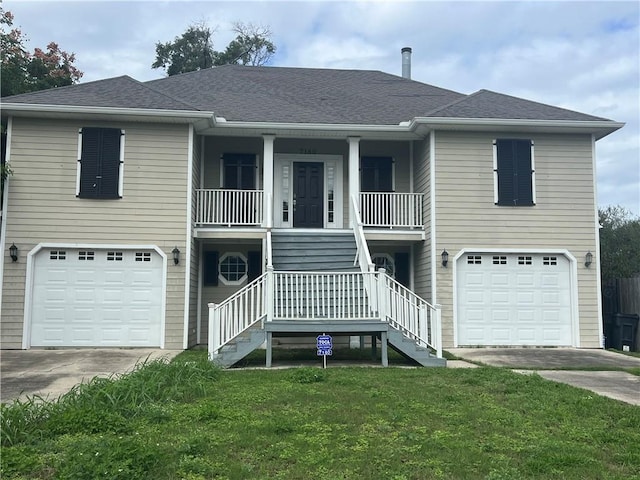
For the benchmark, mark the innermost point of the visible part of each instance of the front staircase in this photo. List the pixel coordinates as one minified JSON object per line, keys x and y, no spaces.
{"x":317,"y":285}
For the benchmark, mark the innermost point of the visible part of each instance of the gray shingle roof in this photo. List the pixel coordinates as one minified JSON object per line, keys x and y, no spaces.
{"x":488,"y":104}
{"x":119,"y":92}
{"x":303,"y":95}
{"x":298,"y":95}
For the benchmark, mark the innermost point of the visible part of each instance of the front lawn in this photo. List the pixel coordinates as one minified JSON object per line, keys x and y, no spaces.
{"x":189,"y":420}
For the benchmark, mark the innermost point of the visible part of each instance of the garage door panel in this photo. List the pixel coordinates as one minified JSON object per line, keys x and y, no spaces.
{"x":525,"y":335}
{"x":498,"y":316}
{"x":96,"y":298}
{"x":522,"y":299}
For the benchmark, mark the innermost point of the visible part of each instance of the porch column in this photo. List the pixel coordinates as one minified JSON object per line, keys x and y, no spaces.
{"x":354,"y":174}
{"x":267,"y":187}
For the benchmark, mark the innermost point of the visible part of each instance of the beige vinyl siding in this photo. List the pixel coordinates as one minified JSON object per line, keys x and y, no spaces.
{"x":563,"y":217}
{"x":422,"y":250}
{"x":43,"y":206}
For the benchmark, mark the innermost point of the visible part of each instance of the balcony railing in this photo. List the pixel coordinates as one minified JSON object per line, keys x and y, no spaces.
{"x":246,"y":208}
{"x":229,"y":207}
{"x":391,"y":210}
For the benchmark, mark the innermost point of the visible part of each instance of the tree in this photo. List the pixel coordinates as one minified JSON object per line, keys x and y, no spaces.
{"x":250,"y":47}
{"x":193,"y":50}
{"x":24,"y":72}
{"x":619,"y":243}
{"x":190,"y":52}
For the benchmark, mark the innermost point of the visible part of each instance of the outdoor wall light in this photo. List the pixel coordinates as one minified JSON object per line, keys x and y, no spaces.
{"x":13,"y":252}
{"x":176,"y":256}
{"x":445,"y":258}
{"x":588,"y":259}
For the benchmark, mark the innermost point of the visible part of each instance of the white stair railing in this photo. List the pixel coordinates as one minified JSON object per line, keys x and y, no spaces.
{"x":331,"y":296}
{"x":363,"y":257}
{"x":229,"y":207}
{"x":407,"y":312}
{"x":236,"y":314}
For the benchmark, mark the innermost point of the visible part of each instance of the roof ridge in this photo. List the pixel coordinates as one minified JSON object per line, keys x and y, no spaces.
{"x":450,"y":104}
{"x":160,"y":92}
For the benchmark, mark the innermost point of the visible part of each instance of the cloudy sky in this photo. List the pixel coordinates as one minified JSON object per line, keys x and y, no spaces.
{"x":584,"y":56}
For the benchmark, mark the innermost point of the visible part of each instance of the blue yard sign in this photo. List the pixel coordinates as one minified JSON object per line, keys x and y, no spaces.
{"x":325,"y":347}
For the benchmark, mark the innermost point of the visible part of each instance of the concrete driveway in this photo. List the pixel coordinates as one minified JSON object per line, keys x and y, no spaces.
{"x":582,"y":368}
{"x":51,"y":373}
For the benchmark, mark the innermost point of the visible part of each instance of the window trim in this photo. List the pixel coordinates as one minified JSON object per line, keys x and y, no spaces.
{"x":496,"y":198}
{"x":221,"y":276}
{"x":120,"y":192}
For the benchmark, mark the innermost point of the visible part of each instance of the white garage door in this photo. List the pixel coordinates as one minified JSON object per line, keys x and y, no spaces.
{"x":85,"y":297}
{"x":514,"y":299}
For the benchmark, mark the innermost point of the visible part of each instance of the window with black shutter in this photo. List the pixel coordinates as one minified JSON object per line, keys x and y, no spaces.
{"x":514,"y":172}
{"x":100,"y":163}
{"x":239,"y":171}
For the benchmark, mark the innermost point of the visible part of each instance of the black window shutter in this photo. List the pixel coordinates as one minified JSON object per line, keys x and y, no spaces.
{"x":523,"y":181}
{"x":254,"y":267}
{"x":401,"y":260}
{"x":210,"y":269}
{"x":89,"y":163}
{"x":99,"y":162}
{"x":514,"y":172}
{"x":110,"y":163}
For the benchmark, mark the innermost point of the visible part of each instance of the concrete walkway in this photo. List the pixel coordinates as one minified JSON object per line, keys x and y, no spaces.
{"x":51,"y":373}
{"x":590,"y":369}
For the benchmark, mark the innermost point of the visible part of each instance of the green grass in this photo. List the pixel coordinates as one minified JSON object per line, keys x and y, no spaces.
{"x":188,"y":420}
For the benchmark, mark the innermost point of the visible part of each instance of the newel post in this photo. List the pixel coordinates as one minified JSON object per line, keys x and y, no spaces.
{"x":270,"y":293}
{"x":437,"y":333}
{"x":422,"y":323}
{"x":383,"y":302}
{"x":214,"y":330}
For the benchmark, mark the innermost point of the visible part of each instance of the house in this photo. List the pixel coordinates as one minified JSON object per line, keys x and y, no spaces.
{"x":262,"y":201}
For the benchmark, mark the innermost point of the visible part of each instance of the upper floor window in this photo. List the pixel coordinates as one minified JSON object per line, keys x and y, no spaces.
{"x":239,"y":171}
{"x":100,"y":163}
{"x":376,"y":174}
{"x":514,"y":172}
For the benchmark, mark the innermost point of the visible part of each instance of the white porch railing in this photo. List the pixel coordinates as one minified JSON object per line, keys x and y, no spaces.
{"x":384,"y":209}
{"x":229,"y":207}
{"x":331,"y":296}
{"x":322,"y":295}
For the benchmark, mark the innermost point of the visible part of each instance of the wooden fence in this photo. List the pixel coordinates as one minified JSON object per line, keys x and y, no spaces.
{"x":621,"y":295}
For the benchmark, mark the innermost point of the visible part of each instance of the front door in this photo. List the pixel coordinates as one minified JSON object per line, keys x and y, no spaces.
{"x":308,"y":201}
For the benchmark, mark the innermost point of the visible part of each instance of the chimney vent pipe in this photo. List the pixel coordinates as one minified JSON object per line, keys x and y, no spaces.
{"x":406,"y":63}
